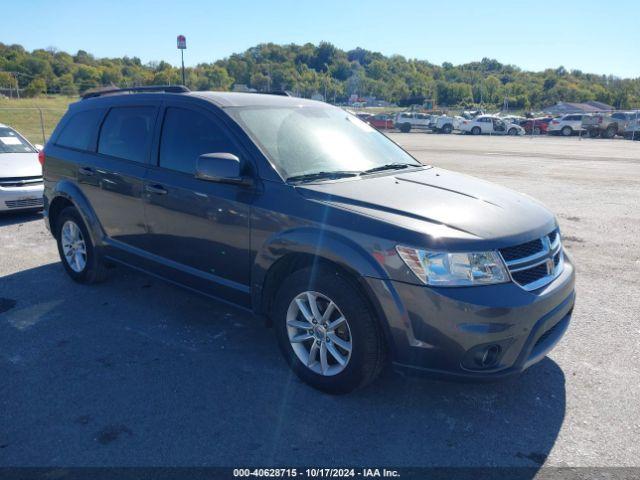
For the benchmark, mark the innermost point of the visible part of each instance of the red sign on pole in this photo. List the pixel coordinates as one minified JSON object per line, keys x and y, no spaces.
{"x":182,"y":42}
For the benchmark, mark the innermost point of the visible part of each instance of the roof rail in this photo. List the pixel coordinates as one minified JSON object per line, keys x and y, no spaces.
{"x":150,"y":88}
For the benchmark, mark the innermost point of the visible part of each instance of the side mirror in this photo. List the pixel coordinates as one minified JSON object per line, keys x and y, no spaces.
{"x":221,"y":168}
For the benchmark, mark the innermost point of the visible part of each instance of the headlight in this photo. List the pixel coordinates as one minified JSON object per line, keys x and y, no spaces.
{"x":442,"y":269}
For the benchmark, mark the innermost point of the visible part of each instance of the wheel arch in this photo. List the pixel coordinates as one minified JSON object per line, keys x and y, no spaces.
{"x":67,"y":194}
{"x":304,"y":248}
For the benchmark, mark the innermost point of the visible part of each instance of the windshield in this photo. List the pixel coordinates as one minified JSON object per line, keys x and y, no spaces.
{"x":12,"y":142}
{"x":307,"y":140}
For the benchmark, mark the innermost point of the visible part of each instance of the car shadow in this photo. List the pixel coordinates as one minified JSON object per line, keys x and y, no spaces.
{"x":13,"y":218}
{"x":138,"y":372}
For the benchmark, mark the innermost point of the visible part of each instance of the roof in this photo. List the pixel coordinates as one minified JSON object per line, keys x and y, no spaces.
{"x":241,"y":99}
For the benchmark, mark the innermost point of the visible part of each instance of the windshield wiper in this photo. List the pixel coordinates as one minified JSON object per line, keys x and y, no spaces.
{"x":389,"y":166}
{"x":322,"y":175}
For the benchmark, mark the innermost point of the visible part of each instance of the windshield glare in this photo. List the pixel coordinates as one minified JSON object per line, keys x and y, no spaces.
{"x":307,"y":140}
{"x":12,"y":142}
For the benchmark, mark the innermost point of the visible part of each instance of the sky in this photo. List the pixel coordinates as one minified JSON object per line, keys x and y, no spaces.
{"x":593,"y":36}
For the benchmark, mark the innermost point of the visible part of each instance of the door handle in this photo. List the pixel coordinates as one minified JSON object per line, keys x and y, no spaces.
{"x":155,"y":189}
{"x":88,"y":171}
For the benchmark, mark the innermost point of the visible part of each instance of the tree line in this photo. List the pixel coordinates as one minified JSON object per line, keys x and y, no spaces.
{"x":320,"y":69}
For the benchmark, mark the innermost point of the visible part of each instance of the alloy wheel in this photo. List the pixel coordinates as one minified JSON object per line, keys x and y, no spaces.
{"x":319,"y":333}
{"x":73,"y":246}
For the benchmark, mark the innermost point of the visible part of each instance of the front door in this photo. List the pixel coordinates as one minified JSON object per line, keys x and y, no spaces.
{"x":198,"y":228}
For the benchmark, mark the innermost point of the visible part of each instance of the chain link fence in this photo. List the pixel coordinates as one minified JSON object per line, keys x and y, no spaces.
{"x":35,"y":123}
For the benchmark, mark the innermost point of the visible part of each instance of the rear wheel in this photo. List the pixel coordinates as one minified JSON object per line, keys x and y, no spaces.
{"x":537,"y":131}
{"x":567,"y":131}
{"x":475,"y":131}
{"x":513,"y":132}
{"x":326,"y":331}
{"x":405,"y":127}
{"x":448,"y":128}
{"x":593,"y":132}
{"x":611,"y":131}
{"x":77,"y":252}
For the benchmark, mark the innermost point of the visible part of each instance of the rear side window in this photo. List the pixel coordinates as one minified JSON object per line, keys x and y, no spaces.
{"x":126,"y":133}
{"x":187,"y":134}
{"x":79,"y":130}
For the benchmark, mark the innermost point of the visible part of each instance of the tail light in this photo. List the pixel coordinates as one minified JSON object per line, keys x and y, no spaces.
{"x":41,"y":157}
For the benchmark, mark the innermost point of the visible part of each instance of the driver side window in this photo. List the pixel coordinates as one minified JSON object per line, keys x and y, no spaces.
{"x":187,"y":134}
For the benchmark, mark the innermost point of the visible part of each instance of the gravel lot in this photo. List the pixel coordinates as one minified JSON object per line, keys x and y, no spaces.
{"x":138,"y":372}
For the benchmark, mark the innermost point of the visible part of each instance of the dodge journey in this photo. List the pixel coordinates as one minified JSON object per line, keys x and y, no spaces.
{"x":357,"y":254}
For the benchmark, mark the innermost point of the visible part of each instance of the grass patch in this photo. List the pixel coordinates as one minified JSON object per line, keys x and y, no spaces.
{"x":23,"y":114}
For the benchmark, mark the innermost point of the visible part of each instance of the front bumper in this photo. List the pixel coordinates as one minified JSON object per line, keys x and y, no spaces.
{"x":448,"y":331}
{"x":21,"y":198}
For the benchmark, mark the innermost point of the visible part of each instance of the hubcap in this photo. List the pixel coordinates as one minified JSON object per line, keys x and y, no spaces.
{"x":319,"y":333}
{"x":73,"y":246}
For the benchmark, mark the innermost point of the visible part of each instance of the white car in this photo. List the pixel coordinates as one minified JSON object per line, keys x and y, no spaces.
{"x":632,"y":130}
{"x":21,"y":186}
{"x":406,"y":121}
{"x":489,"y":124}
{"x":566,"y":125}
{"x":445,"y":123}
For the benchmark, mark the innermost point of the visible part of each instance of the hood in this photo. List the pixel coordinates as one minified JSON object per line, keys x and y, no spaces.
{"x":20,"y":165}
{"x":423,"y":199}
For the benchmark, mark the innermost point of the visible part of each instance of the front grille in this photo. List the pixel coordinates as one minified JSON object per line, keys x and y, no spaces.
{"x":29,"y":202}
{"x":535,"y":263}
{"x":521,"y":251}
{"x":524,"y":277}
{"x":13,"y":182}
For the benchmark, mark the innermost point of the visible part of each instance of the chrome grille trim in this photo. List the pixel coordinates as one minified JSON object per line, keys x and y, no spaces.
{"x":16,"y":182}
{"x":551,"y":254}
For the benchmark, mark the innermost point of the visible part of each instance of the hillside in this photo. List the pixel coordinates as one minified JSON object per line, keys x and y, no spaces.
{"x":325,"y":69}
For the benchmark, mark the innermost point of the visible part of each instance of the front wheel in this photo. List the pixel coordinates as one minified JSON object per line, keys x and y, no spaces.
{"x":447,"y":129}
{"x":513,"y":132}
{"x":405,"y":127}
{"x":475,"y":131}
{"x":567,"y":131}
{"x":327,"y":331}
{"x":77,"y":252}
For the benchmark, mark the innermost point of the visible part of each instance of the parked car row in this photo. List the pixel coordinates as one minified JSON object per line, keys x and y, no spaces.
{"x":605,"y":125}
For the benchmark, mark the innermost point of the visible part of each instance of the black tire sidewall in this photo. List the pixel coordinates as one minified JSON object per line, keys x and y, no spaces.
{"x":475,"y":131}
{"x":365,"y":336}
{"x":87,"y":275}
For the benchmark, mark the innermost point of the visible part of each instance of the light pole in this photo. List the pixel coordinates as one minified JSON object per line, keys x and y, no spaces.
{"x":182,"y":46}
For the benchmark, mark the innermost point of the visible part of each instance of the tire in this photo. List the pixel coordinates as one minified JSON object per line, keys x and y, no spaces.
{"x":475,"y":131}
{"x":513,"y":132}
{"x":610,"y":132}
{"x":447,"y":129}
{"x":92,"y":269}
{"x":537,"y":131}
{"x":405,"y":127}
{"x":360,"y":330}
{"x":567,"y":131}
{"x":593,"y":133}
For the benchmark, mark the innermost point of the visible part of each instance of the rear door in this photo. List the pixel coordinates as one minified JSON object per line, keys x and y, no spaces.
{"x":198,"y":229}
{"x":112,"y":179}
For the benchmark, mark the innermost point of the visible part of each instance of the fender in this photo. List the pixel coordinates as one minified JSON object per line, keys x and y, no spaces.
{"x":71,"y":192}
{"x":313,"y":241}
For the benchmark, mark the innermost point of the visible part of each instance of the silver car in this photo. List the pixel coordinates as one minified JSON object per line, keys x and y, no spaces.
{"x":20,"y":172}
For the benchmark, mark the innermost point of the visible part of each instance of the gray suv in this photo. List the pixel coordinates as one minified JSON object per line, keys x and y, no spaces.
{"x":297,"y":211}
